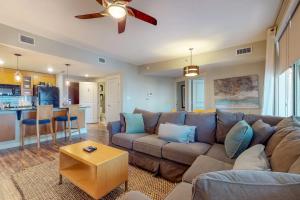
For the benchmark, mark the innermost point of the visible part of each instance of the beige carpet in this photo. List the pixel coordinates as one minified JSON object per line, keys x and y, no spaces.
{"x":41,"y":183}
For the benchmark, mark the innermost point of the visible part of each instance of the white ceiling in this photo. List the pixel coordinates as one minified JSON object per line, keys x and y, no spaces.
{"x":206,"y":25}
{"x":33,"y":61}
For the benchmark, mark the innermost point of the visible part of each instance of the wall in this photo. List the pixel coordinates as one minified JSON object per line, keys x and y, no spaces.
{"x":233,"y":71}
{"x":137,"y":90}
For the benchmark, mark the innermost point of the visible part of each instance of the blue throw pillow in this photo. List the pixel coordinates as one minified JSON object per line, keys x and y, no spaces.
{"x":174,"y":133}
{"x":238,"y":139}
{"x":134,"y":123}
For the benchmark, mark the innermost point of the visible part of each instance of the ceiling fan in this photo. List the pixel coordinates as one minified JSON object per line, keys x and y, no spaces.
{"x":119,"y":10}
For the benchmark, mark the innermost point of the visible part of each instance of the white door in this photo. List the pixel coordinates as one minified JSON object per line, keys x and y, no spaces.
{"x":113,"y":99}
{"x":88,"y":97}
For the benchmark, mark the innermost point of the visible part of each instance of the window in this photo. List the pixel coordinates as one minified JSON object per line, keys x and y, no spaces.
{"x":197,"y":94}
{"x":285,"y":93}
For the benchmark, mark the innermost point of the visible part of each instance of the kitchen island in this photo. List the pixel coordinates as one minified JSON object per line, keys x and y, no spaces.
{"x":10,"y":120}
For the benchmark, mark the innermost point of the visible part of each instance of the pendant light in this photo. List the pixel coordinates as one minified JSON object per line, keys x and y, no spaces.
{"x":18,"y":75}
{"x":67,"y":80}
{"x":191,"y":70}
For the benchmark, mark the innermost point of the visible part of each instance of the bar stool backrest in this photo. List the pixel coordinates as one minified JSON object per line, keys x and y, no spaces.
{"x":73,"y":110}
{"x":44,"y":112}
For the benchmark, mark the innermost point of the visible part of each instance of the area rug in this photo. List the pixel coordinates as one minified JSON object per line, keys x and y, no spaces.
{"x":41,"y":183}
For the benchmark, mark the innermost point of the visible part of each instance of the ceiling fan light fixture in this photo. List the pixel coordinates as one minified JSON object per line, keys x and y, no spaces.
{"x":117,"y":11}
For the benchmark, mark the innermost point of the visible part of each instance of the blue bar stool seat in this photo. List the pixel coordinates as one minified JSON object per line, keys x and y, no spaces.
{"x":65,"y":118}
{"x":44,"y":116}
{"x":33,"y":122}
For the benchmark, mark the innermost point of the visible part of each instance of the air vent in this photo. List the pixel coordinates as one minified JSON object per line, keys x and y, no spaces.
{"x":244,"y":51}
{"x":26,"y":39}
{"x":101,"y":60}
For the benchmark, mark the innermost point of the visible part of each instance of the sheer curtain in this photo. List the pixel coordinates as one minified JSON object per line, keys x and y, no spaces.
{"x":269,"y":80}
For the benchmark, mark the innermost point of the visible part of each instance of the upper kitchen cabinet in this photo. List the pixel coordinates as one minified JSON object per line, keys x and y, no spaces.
{"x":7,"y":76}
{"x":294,"y":39}
{"x":39,"y":78}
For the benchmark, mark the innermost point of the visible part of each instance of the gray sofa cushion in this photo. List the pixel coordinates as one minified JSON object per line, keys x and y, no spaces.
{"x":184,"y":153}
{"x":286,"y":152}
{"x":225,"y":121}
{"x":126,"y":140}
{"x":277,"y":137}
{"x":150,"y":119}
{"x":206,"y":126}
{"x":272,"y":120}
{"x":218,"y":152}
{"x":150,"y":144}
{"x":246,"y":185}
{"x":202,"y":165}
{"x":171,"y":117}
{"x":182,"y":191}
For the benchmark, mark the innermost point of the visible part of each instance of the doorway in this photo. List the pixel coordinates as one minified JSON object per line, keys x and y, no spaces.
{"x":112,"y":99}
{"x":180,"y":96}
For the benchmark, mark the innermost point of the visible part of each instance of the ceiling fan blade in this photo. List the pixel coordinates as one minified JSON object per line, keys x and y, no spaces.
{"x":122,"y":25}
{"x":90,"y":16}
{"x":142,"y":16}
{"x":103,"y":3}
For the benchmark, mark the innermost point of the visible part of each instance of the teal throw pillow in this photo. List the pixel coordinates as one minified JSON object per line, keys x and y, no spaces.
{"x":134,"y":123}
{"x":238,"y":139}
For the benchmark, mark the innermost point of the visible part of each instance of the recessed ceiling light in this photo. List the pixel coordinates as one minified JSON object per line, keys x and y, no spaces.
{"x":86,"y":75}
{"x":1,"y":62}
{"x":50,"y":69}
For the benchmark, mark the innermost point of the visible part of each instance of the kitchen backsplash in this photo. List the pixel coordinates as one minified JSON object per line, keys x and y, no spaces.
{"x":16,"y":100}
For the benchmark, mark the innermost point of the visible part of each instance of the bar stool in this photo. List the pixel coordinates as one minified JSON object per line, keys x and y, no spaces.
{"x":44,"y":116}
{"x":72,"y":115}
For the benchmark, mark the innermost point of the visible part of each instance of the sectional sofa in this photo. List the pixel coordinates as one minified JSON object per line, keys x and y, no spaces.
{"x":195,"y":164}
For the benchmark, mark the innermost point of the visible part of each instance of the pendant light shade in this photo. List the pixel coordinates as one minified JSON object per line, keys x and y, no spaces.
{"x":191,"y":70}
{"x":67,"y":79}
{"x":18,"y":75}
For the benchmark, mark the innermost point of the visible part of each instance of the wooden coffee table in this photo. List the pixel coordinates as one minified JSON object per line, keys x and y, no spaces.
{"x":96,"y":173}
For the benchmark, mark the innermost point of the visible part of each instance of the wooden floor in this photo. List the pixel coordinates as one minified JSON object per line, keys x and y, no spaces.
{"x":14,"y":160}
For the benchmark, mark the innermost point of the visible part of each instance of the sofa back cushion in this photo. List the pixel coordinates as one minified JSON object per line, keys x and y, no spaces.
{"x":276,"y":138}
{"x":288,"y":122}
{"x":206,"y":126}
{"x":171,"y":117}
{"x":150,"y":119}
{"x":286,"y":152}
{"x":271,"y":120}
{"x":225,"y":121}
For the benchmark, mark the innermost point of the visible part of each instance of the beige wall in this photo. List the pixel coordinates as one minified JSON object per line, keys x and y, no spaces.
{"x":233,"y":71}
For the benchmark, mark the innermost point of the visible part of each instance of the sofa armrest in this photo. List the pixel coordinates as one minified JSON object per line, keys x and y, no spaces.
{"x":113,"y":128}
{"x":246,"y":185}
{"x":133,"y":195}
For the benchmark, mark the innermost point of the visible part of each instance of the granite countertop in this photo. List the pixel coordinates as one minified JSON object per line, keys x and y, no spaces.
{"x":34,"y":108}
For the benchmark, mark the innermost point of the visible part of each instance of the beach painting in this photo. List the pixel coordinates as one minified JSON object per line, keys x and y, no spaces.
{"x":237,"y":92}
